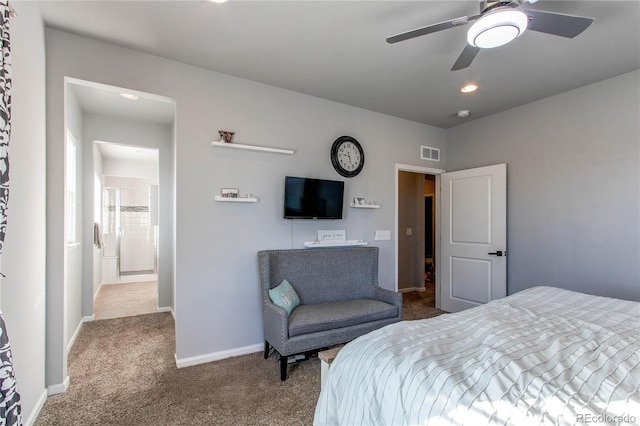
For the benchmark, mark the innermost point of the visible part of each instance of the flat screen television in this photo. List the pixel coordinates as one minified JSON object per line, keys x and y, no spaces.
{"x":306,"y":198}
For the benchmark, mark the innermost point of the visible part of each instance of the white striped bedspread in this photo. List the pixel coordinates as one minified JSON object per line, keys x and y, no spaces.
{"x":542,"y":356}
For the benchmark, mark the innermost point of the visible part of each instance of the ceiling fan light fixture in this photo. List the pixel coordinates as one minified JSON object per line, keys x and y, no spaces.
{"x":497,"y":28}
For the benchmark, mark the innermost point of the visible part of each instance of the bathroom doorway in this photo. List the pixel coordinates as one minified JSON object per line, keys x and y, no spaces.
{"x":128,"y":206}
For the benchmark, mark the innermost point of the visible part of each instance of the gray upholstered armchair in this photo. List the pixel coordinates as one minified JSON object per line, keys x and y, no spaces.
{"x":339,"y":298}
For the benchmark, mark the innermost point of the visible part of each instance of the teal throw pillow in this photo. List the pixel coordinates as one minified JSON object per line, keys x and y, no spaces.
{"x":285,"y":296}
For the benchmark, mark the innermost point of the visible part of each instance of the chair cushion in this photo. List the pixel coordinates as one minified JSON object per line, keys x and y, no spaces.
{"x":285,"y":296}
{"x":327,"y":316}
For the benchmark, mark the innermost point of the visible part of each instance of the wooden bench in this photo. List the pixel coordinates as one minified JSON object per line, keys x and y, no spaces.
{"x":326,"y":358}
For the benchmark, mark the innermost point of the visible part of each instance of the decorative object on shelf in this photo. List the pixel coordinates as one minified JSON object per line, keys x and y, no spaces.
{"x":229,"y":192}
{"x":226,"y":136}
{"x":358,"y":201}
{"x":223,"y":144}
{"x":347,"y":156}
{"x":332,"y":236}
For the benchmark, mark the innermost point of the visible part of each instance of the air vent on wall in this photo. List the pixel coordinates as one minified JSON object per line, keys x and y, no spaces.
{"x":428,"y":153}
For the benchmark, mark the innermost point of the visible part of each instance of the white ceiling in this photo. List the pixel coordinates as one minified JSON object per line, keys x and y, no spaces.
{"x":94,"y":98}
{"x":337,"y":49}
{"x":100,"y":99}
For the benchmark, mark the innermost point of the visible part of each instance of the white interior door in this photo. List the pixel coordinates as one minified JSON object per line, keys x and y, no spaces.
{"x":474,"y":237}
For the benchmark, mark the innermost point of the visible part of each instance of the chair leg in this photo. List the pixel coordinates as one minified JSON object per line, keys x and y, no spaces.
{"x":283,"y":367}
{"x":266,"y":349}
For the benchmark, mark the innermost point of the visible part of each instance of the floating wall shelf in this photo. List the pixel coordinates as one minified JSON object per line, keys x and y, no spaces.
{"x":236,"y":200}
{"x":252,"y":147}
{"x":365,"y":206}
{"x":316,"y":244}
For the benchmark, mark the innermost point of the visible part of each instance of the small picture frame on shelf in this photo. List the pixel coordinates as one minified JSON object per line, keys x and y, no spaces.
{"x":229,"y":192}
{"x":359,"y":201}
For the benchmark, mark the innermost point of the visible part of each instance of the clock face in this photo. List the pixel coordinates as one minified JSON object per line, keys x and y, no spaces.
{"x":347,"y":156}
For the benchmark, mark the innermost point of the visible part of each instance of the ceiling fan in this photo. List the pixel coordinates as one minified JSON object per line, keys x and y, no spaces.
{"x":500,"y":22}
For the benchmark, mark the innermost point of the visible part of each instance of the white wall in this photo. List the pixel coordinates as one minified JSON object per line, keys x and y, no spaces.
{"x":23,"y":258}
{"x":216,"y":243}
{"x":573,"y":167}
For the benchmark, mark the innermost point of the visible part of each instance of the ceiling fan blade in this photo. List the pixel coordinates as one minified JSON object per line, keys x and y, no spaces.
{"x":556,"y":23}
{"x":431,"y":29}
{"x":466,"y":57}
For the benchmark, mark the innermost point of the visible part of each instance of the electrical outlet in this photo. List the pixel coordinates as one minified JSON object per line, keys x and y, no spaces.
{"x":409,"y":231}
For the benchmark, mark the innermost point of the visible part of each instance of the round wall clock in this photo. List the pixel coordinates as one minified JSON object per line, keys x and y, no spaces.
{"x":347,"y":156}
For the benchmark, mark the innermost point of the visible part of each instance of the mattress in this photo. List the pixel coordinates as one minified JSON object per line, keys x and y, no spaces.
{"x":541,"y":356}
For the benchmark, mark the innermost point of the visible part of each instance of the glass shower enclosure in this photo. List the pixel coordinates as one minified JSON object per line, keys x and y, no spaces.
{"x":130,"y":231}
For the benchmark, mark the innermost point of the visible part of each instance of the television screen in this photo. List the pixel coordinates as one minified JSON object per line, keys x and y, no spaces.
{"x":306,"y":198}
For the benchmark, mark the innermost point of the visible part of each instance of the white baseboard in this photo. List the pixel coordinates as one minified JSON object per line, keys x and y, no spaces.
{"x":216,"y":356}
{"x":167,"y":309}
{"x":60,"y":388}
{"x":410,"y":289}
{"x":31,"y":420}
{"x":75,"y":336}
{"x":89,"y":318}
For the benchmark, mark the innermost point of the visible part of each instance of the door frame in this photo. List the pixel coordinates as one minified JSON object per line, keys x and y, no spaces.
{"x":425,"y":171}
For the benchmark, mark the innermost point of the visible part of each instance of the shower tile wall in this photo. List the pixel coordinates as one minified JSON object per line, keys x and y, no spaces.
{"x":136,"y":239}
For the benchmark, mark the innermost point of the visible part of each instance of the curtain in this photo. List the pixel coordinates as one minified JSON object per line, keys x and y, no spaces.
{"x":10,"y":408}
{"x":5,"y":118}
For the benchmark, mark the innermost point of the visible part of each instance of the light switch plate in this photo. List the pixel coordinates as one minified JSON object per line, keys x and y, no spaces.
{"x":409,"y":231}
{"x":383,"y":235}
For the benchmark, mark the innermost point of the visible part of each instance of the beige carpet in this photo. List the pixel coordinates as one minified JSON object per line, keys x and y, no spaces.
{"x":128,"y":299}
{"x":123,"y":372}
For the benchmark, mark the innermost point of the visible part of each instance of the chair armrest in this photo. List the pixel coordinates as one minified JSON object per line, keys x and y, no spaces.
{"x":276,"y":325}
{"x":389,"y":296}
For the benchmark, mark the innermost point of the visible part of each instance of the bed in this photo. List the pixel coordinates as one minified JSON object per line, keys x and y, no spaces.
{"x":541,"y":356}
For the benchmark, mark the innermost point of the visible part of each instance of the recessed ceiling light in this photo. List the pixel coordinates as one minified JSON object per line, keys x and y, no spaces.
{"x":130,"y":96}
{"x":218,"y":1}
{"x":471,"y":87}
{"x":138,"y":151}
{"x":463,"y":113}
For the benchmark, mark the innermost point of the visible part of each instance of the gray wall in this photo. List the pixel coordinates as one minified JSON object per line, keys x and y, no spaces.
{"x":216,"y":277}
{"x":573,"y":186}
{"x":73,"y":275}
{"x":94,"y":253}
{"x":23,"y":259}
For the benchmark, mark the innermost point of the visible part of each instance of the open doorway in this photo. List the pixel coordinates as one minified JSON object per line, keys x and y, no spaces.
{"x":127,"y":221}
{"x":430,"y":224}
{"x":417,"y":196}
{"x":93,"y":112}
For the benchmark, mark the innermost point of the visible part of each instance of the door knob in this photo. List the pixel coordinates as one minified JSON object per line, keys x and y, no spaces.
{"x":496,"y":253}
